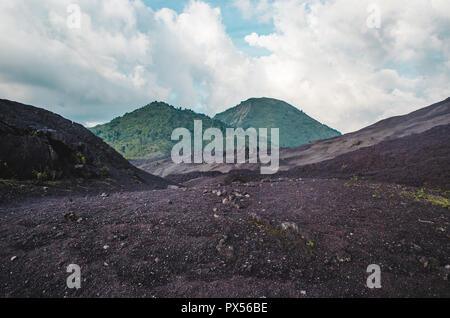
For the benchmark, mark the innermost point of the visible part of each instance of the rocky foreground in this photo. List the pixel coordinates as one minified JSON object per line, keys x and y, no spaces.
{"x":382,"y":197}
{"x":287,"y":237}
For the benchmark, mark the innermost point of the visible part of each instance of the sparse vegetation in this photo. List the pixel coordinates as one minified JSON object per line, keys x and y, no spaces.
{"x":105,"y":171}
{"x":4,"y":169}
{"x":422,"y":196}
{"x":80,"y":158}
{"x":40,"y":175}
{"x":47,"y":175}
{"x":33,"y":132}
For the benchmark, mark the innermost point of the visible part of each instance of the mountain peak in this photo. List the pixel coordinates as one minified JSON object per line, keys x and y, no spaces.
{"x":267,"y":101}
{"x":146,"y":132}
{"x":296,"y":128}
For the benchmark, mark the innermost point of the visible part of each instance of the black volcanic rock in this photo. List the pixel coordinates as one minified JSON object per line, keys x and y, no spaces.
{"x":417,"y":160}
{"x":38,"y":144}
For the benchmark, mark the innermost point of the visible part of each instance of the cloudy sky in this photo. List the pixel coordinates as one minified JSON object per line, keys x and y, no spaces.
{"x":347,"y":63}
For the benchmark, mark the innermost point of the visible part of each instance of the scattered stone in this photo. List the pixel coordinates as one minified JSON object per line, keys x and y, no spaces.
{"x":247,"y":267}
{"x":70,"y":216}
{"x":416,"y":247}
{"x":255,"y":217}
{"x":104,"y":195}
{"x":225,"y":201}
{"x":173,"y":187}
{"x":13,"y":258}
{"x":105,"y":247}
{"x":289,"y":226}
{"x":424,"y":261}
{"x":226,"y":251}
{"x":344,"y":259}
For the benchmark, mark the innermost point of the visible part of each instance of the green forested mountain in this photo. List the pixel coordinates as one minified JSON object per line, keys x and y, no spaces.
{"x":145,"y":133}
{"x":296,"y":128}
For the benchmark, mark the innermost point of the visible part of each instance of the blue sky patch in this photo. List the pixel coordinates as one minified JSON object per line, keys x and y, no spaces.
{"x":237,"y":27}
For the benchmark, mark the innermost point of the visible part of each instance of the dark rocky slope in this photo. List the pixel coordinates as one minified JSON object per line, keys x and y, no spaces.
{"x":417,"y":160}
{"x":391,"y":128}
{"x":39,"y":145}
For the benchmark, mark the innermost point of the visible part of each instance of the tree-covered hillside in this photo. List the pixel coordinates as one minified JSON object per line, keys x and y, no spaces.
{"x":145,"y":133}
{"x":296,"y":128}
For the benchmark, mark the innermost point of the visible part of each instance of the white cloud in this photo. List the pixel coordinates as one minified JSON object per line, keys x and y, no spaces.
{"x":251,"y":8}
{"x":91,"y":72}
{"x":323,"y":57}
{"x":92,"y":124}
